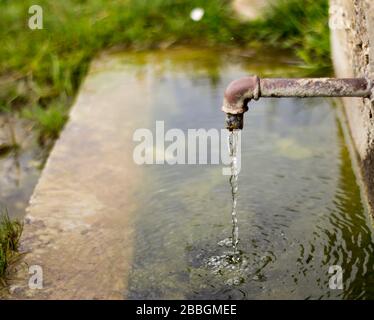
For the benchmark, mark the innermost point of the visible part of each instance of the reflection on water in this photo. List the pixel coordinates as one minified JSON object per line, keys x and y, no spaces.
{"x":19,"y":166}
{"x":299,"y":209}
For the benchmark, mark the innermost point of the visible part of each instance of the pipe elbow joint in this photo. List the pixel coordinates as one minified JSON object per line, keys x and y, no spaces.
{"x":239,"y":92}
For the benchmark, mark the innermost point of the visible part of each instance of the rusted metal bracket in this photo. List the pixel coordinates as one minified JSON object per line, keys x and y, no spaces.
{"x":241,"y":91}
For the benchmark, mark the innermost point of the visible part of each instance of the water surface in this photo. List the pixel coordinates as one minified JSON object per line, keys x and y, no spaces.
{"x":299,"y":208}
{"x":19,"y":166}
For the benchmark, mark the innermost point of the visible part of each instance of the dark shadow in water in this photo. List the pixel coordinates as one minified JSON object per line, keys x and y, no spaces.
{"x":354,"y":251}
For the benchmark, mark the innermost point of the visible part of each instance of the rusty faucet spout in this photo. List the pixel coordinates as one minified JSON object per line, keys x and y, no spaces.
{"x":241,"y":91}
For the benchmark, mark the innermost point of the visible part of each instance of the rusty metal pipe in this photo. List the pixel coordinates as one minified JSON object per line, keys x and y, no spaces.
{"x":241,"y":91}
{"x":317,"y":87}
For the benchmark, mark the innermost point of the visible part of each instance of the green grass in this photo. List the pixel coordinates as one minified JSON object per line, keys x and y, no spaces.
{"x":10,"y":233}
{"x":49,"y":121}
{"x":41,"y":70}
{"x":299,"y":25}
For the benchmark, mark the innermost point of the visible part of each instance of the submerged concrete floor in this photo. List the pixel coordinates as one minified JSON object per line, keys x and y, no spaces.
{"x":77,"y":228}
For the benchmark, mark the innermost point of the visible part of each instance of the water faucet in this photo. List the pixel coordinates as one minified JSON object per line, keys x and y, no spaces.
{"x":241,"y":91}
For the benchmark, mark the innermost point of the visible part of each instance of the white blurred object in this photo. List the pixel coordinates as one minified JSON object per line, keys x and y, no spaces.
{"x":197,"y":14}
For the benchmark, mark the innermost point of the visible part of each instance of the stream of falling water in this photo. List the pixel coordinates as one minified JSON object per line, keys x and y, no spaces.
{"x":233,"y":151}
